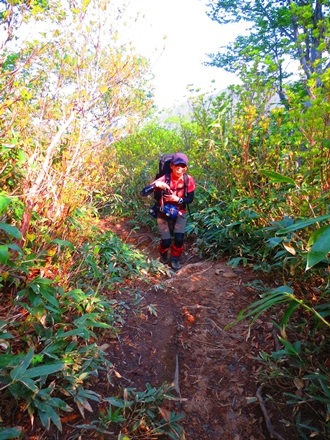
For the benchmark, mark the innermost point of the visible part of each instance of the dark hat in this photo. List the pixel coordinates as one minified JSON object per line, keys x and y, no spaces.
{"x":179,"y":158}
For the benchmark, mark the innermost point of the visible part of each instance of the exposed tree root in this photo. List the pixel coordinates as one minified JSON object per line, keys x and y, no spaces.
{"x":276,"y":340}
{"x":220,"y":329}
{"x":187,"y":267}
{"x":273,"y":434}
{"x":176,"y":376}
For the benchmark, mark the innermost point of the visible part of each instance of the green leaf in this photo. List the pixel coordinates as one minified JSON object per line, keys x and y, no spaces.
{"x":39,"y":280}
{"x":54,"y":418}
{"x":89,"y":394}
{"x":320,"y":249}
{"x":15,"y":248}
{"x":63,"y":243}
{"x":303,"y":224}
{"x":22,"y":157}
{"x":49,"y":297}
{"x":45,"y":419}
{"x":44,"y":370}
{"x":20,"y":370}
{"x":9,"y":433}
{"x":9,"y":360}
{"x":276,"y":177}
{"x":4,"y":254}
{"x":4,"y":202}
{"x":11,"y":230}
{"x":316,"y":235}
{"x":29,"y":384}
{"x":274,"y":297}
{"x":115,"y":402}
{"x":292,"y":349}
{"x":323,"y":309}
{"x":81,"y":331}
{"x":3,"y":324}
{"x":325,"y":387}
{"x":326,"y":143}
{"x":87,"y":320}
{"x":6,"y":335}
{"x":292,"y":306}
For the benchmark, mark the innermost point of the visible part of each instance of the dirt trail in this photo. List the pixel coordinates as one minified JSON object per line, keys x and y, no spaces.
{"x":217,"y":369}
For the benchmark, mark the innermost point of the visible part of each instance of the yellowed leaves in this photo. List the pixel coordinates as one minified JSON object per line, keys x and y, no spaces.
{"x":288,"y":246}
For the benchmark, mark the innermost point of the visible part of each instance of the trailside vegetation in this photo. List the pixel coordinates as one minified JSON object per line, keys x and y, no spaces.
{"x":70,"y":88}
{"x":78,"y":141}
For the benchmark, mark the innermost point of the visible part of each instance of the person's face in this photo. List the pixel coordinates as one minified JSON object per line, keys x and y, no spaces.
{"x":178,"y":170}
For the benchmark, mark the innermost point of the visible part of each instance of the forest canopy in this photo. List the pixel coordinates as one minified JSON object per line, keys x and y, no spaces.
{"x":277,"y":31}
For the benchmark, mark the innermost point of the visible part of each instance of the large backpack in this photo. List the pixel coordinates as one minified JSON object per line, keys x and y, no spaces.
{"x":164,"y":168}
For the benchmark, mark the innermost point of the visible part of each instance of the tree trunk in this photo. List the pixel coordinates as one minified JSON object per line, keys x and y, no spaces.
{"x":32,"y":194}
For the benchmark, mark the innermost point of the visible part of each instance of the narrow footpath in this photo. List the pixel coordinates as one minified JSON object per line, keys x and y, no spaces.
{"x":179,"y":336}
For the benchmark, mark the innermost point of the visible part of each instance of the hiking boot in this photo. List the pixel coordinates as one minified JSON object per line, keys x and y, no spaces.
{"x":163,"y":257}
{"x":175,"y":264}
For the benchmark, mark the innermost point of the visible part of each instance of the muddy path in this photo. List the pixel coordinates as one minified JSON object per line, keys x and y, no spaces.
{"x":179,"y":336}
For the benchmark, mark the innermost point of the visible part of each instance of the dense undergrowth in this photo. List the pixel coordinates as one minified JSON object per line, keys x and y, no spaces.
{"x":51,"y":320}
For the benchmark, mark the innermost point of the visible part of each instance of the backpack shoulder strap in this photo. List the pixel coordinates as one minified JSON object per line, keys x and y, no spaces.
{"x":185,"y":179}
{"x":161,"y":200}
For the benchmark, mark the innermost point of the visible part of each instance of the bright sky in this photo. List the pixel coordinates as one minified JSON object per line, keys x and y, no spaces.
{"x":190,"y":35}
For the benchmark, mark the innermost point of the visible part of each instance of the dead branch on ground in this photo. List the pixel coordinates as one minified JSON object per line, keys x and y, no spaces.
{"x":272,"y":432}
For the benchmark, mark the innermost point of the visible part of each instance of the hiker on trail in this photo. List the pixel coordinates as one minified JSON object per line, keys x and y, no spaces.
{"x":173,"y":191}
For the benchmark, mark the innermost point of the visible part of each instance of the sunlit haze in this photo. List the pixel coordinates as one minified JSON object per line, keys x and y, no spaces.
{"x":177,"y":59}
